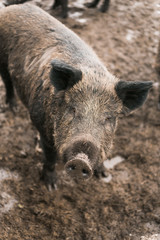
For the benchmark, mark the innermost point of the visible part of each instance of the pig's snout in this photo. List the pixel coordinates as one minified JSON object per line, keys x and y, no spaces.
{"x":79,"y":167}
{"x":81,"y":157}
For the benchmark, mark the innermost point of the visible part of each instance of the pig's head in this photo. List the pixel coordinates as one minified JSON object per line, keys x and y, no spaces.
{"x":86,"y":115}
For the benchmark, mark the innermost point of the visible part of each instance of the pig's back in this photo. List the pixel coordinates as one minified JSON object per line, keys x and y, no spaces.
{"x":30,"y":39}
{"x":27,"y":29}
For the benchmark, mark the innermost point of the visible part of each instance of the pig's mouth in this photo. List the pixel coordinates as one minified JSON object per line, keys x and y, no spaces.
{"x":79,"y":167}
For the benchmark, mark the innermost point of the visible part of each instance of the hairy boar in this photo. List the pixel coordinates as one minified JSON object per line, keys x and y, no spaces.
{"x":73,"y":100}
{"x":104,"y":7}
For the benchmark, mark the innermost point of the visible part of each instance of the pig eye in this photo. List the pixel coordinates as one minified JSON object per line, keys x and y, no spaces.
{"x":74,"y":114}
{"x":72,"y":111}
{"x":106,"y":118}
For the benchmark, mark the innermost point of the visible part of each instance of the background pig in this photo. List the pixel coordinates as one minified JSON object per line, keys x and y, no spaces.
{"x":73,"y":100}
{"x":64,"y":4}
{"x":104,"y":7}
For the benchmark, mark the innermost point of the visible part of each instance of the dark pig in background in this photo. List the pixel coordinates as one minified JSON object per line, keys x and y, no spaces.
{"x":104,"y":7}
{"x":64,"y":5}
{"x":73,"y":100}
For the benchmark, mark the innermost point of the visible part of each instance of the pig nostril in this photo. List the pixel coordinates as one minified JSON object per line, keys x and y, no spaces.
{"x":85,"y":172}
{"x":71,"y":167}
{"x":79,"y":167}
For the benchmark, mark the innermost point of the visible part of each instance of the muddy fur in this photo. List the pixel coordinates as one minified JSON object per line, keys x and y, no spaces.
{"x":86,"y":100}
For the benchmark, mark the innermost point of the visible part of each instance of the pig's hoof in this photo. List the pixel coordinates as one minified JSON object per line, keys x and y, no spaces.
{"x":12,"y":104}
{"x":100,"y":172}
{"x":49,"y":178}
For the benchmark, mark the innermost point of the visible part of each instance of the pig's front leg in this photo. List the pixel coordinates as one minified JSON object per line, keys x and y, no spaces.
{"x":48,"y":172}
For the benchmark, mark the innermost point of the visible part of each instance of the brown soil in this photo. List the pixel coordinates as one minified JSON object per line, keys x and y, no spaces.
{"x":126,"y":208}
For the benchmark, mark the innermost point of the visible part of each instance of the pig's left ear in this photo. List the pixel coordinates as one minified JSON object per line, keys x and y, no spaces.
{"x":132,"y":94}
{"x":64,"y":76}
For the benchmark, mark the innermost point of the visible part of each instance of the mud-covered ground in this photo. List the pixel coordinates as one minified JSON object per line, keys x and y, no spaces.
{"x":126,"y":206}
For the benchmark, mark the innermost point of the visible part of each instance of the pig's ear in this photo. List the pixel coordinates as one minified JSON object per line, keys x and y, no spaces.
{"x":132,"y":94}
{"x":64,"y":76}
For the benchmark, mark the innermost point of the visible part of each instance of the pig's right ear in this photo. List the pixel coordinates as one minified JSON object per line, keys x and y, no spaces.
{"x":64,"y":76}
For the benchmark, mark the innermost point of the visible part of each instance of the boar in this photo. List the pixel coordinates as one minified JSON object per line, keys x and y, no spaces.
{"x":104,"y":7}
{"x":73,"y":100}
{"x":157,"y":68}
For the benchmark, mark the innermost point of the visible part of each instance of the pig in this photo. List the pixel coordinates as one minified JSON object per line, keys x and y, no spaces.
{"x":104,"y":7}
{"x":157,"y":68}
{"x":73,"y":100}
